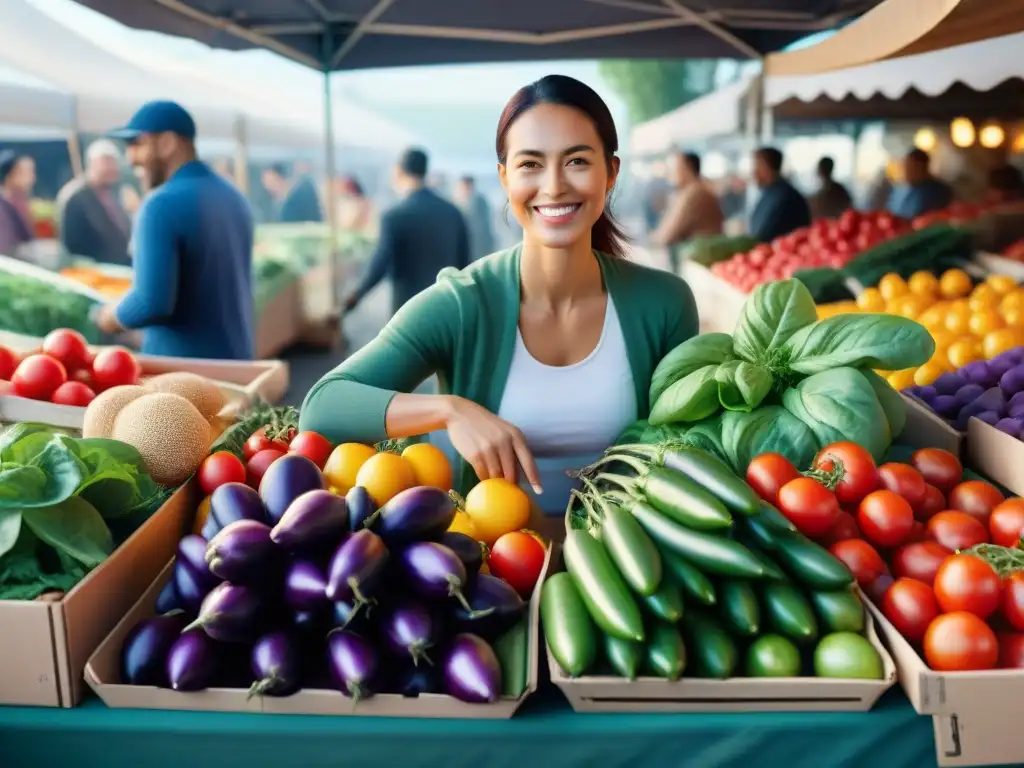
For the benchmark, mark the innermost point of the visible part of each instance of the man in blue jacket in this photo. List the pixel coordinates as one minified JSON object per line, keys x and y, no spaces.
{"x":781,"y":208}
{"x":191,"y":247}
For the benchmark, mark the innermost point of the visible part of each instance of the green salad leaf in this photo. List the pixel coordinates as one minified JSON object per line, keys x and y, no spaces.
{"x":891,"y":401}
{"x":770,"y":315}
{"x":742,"y":385}
{"x":769,"y":429}
{"x":691,"y":398}
{"x":692,"y":355}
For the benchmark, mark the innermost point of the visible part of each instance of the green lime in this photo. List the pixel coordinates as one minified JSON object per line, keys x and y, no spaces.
{"x":773,"y":656}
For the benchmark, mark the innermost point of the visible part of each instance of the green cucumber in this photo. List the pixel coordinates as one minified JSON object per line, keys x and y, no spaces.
{"x":807,"y":562}
{"x":602,"y":587}
{"x":739,"y":611}
{"x":788,"y":612}
{"x":625,"y":656}
{"x":631,"y":549}
{"x":715,"y":476}
{"x":667,"y":603}
{"x":712,"y":650}
{"x":666,"y":654}
{"x":568,"y":629}
{"x":693,"y":582}
{"x":839,"y":611}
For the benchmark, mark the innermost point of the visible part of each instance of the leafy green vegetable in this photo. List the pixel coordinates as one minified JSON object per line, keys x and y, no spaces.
{"x":34,"y":308}
{"x":277,"y":419}
{"x":691,"y":398}
{"x":692,"y":355}
{"x":707,"y":435}
{"x":74,"y":527}
{"x":861,"y":341}
{"x":891,"y":401}
{"x":770,"y":429}
{"x":742,"y":385}
{"x":770,"y":315}
{"x":642,"y":432}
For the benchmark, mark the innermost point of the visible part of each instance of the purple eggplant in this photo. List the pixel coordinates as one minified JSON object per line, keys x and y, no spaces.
{"x":305,"y":586}
{"x":471,"y":670}
{"x":231,"y":502}
{"x":411,"y":681}
{"x":168,"y":600}
{"x":192,"y":553}
{"x":144,"y":653}
{"x":352,"y":662}
{"x":308,"y":622}
{"x":314,"y":518}
{"x":192,"y":662}
{"x":470,"y":551}
{"x":435,"y":572}
{"x":351,"y":615}
{"x":357,"y":567}
{"x":495,"y":608}
{"x":191,"y":575}
{"x":241,"y":552}
{"x":410,"y":630}
{"x":275,"y":665}
{"x":285,"y":480}
{"x":360,"y":507}
{"x":417,"y":514}
{"x":230,"y":613}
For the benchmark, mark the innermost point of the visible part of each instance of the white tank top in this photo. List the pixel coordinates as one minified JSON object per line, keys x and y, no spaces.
{"x":570,"y":414}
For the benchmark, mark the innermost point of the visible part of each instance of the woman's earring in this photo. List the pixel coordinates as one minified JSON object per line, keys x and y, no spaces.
{"x":504,"y":213}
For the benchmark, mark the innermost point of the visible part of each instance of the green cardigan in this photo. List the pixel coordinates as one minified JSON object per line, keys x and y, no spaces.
{"x":463,"y":328}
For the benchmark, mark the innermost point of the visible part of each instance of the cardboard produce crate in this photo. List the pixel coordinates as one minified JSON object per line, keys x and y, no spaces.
{"x":718,"y":303}
{"x":47,"y":643}
{"x":279,"y":324}
{"x":103,"y":673}
{"x":926,"y":429}
{"x":996,"y":455}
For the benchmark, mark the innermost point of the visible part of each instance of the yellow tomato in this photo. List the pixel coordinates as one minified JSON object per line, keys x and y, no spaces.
{"x":910,"y":306}
{"x":901,"y":379}
{"x":984,"y":321}
{"x":384,"y":476}
{"x":1001,"y":284}
{"x":957,"y":322}
{"x":430,"y":465}
{"x":871,"y":300}
{"x":954,"y":283}
{"x":927,"y":373}
{"x":923,"y":284}
{"x":997,"y":342}
{"x":891,"y":286}
{"x":943,"y":338}
{"x":202,"y":512}
{"x":1014,"y":316}
{"x":933,"y":318}
{"x":983,"y":297}
{"x":344,"y":463}
{"x":1012,"y":300}
{"x":497,"y":507}
{"x":462,"y":524}
{"x":962,"y":352}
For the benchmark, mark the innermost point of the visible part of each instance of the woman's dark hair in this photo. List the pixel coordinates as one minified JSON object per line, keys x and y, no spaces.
{"x":606,"y":236}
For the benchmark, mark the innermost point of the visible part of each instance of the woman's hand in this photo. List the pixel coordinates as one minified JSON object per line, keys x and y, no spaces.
{"x":491,"y":445}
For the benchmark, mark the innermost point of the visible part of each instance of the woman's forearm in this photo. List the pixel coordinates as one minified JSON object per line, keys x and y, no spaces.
{"x":411,"y":415}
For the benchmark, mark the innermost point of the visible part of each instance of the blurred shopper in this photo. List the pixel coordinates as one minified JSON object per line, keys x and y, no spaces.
{"x":1005,"y":184}
{"x":419,"y":236}
{"x":693,"y":209}
{"x":920,"y":192}
{"x":734,"y":197}
{"x":192,"y":292}
{"x":832,"y":198}
{"x":475,"y":208}
{"x":355,"y":210}
{"x":295,"y":197}
{"x":17,"y":178}
{"x":94,"y":222}
{"x":781,"y":208}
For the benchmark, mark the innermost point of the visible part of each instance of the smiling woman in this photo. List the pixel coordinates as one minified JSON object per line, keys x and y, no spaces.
{"x":545,"y":351}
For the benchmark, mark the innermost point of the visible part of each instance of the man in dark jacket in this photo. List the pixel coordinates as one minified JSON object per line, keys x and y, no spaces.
{"x":780,"y":209}
{"x":419,"y":237}
{"x":93,"y":222}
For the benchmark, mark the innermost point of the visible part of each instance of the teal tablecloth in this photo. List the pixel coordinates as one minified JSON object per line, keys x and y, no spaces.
{"x":546,"y":732}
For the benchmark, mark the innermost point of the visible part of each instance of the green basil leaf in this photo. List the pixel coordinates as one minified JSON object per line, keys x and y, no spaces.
{"x":10,"y":527}
{"x":770,"y":315}
{"x":770,"y":429}
{"x":16,"y":432}
{"x":74,"y":527}
{"x":692,"y":398}
{"x":892,"y":402}
{"x":112,"y":476}
{"x":98,"y":450}
{"x":21,"y":486}
{"x":692,"y":355}
{"x":742,"y":385}
{"x":880,"y":341}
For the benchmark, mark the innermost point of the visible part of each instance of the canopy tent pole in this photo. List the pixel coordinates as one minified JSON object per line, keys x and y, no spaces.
{"x":329,"y":164}
{"x":241,"y":155}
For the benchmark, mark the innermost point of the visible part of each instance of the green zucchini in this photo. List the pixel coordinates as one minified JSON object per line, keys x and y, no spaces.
{"x":788,"y":612}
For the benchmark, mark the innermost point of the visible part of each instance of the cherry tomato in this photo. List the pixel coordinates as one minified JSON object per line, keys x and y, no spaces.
{"x":910,"y":606}
{"x":258,"y":464}
{"x":115,"y":367}
{"x":73,"y":393}
{"x":8,"y":362}
{"x":960,"y":641}
{"x":1013,"y":600}
{"x":939,"y":468}
{"x":920,"y":561}
{"x":219,"y":469}
{"x":38,"y":376}
{"x":904,"y":480}
{"x":917,"y":533}
{"x":860,"y":477}
{"x":517,"y":558}
{"x":69,"y":347}
{"x":968,"y":583}
{"x":1006,"y":524}
{"x":845,"y":527}
{"x":977,"y":498}
{"x":932,"y":503}
{"x":956,"y":530}
{"x":1011,"y":650}
{"x":861,"y":558}
{"x":809,"y":505}
{"x":258,"y":441}
{"x":885,"y":519}
{"x":313,"y":446}
{"x":7,"y":389}
{"x":767,"y":474}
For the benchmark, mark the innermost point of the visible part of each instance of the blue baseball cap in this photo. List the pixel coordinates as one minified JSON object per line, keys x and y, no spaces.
{"x":158,"y":117}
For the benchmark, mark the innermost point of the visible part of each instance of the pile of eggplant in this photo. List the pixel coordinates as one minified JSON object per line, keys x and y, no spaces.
{"x":293,"y":587}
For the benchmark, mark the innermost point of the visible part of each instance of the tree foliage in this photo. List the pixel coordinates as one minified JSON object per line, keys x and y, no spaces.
{"x":652,"y":87}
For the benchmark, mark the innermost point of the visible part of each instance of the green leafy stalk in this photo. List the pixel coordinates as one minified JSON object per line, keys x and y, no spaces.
{"x":1004,"y":560}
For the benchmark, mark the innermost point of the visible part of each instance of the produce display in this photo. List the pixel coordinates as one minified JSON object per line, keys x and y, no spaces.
{"x":99,"y":278}
{"x":1014,"y":251}
{"x":675,"y":567}
{"x":955,"y":213}
{"x":712,"y":249}
{"x":65,"y":503}
{"x":34,"y":308}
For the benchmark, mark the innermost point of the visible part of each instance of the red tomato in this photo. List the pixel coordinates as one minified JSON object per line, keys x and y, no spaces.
{"x":977,"y":498}
{"x":84,"y":375}
{"x":517,"y":558}
{"x":968,"y":583}
{"x":767,"y":474}
{"x":7,"y":389}
{"x":1006,"y":524}
{"x":939,"y":468}
{"x":259,"y":463}
{"x":920,"y":560}
{"x":8,"y":362}
{"x":910,"y":606}
{"x":114,"y":367}
{"x":906,"y":481}
{"x":861,"y":558}
{"x":1011,"y":650}
{"x":956,"y":530}
{"x":313,"y":446}
{"x":845,"y":527}
{"x":933,"y":503}
{"x":885,"y":519}
{"x":808,"y":505}
{"x":258,"y":441}
{"x":957,"y":642}
{"x":917,"y":533}
{"x":1013,"y":600}
{"x":70,"y":347}
{"x":38,"y":376}
{"x":219,"y":469}
{"x":860,"y":477}
{"x":73,"y":393}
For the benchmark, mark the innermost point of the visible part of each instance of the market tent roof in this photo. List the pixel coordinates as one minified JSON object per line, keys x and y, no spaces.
{"x":28,"y":103}
{"x":898,"y":28}
{"x":355,"y":34}
{"x":718,"y":113}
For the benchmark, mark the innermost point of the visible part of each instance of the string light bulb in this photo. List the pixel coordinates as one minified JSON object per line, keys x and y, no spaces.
{"x":925,"y":139}
{"x":991,"y":136}
{"x":961,"y":132}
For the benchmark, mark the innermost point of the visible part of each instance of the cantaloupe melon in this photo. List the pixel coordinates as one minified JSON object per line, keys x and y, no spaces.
{"x":102,"y":411}
{"x":169,"y":433}
{"x":201,"y":392}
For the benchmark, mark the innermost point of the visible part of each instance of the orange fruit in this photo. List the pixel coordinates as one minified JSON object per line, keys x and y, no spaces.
{"x":927,"y":373}
{"x":430,"y":465}
{"x":984,"y":321}
{"x":497,"y":507}
{"x":384,"y":476}
{"x":958,"y":322}
{"x":962,"y":352}
{"x":202,"y":512}
{"x":1001,"y":284}
{"x":462,"y":524}
{"x":955,"y":283}
{"x":997,"y":342}
{"x":1014,"y":316}
{"x":344,"y":463}
{"x":923,"y":284}
{"x":891,"y":286}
